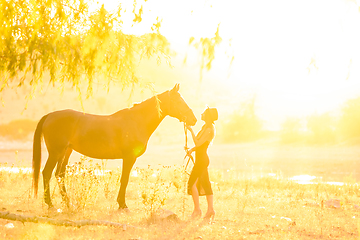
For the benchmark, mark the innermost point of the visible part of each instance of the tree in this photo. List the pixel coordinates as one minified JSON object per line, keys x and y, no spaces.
{"x":63,"y":41}
{"x":322,"y":128}
{"x":243,"y":125}
{"x":291,"y":130}
{"x":206,"y":49}
{"x":349,"y":126}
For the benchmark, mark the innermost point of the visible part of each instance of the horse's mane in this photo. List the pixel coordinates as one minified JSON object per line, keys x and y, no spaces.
{"x":140,"y":105}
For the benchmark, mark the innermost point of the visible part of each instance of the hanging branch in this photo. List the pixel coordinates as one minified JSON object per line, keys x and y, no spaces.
{"x":65,"y":42}
{"x":66,"y":223}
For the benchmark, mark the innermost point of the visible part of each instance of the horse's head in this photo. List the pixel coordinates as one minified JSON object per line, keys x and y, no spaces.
{"x":177,"y":107}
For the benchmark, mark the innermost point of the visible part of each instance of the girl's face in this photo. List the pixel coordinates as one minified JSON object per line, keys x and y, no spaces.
{"x":203,"y":116}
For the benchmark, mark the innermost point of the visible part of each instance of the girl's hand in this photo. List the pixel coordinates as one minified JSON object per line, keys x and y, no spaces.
{"x":188,"y":127}
{"x":191,"y":131}
{"x":189,"y":151}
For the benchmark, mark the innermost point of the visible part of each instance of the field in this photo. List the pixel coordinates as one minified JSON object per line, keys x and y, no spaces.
{"x":285,"y":162}
{"x":253,"y":195}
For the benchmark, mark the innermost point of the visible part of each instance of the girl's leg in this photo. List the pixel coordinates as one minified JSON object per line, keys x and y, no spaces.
{"x":210,"y":212}
{"x":210,"y":202}
{"x":195,"y":196}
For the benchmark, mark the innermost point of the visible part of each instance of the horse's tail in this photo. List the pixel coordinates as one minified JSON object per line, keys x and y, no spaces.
{"x":37,"y":153}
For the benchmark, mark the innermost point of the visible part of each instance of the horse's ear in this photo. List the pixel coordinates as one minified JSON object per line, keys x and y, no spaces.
{"x":176,"y":87}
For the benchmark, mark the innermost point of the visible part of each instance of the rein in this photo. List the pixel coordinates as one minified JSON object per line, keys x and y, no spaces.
{"x":190,"y":157}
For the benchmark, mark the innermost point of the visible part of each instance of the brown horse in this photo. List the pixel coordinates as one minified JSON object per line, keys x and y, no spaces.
{"x":122,"y":135}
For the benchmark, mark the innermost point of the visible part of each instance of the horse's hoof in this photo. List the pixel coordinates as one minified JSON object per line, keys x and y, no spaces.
{"x":70,"y":207}
{"x":52,"y":209}
{"x":124,"y":210}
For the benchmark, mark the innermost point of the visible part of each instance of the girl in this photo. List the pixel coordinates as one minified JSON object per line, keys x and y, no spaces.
{"x":199,"y":183}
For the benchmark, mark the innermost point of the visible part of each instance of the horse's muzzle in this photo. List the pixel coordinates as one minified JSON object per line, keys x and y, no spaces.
{"x":191,"y":121}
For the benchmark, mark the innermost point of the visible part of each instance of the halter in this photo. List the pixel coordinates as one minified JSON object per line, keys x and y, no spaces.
{"x":183,"y":113}
{"x":186,"y":148}
{"x":190,"y":157}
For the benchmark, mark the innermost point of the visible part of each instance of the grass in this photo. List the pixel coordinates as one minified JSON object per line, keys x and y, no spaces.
{"x":269,"y":207}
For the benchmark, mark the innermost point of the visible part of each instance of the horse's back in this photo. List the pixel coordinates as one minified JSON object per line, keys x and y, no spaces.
{"x":71,"y":117}
{"x":61,"y":119}
{"x":59,"y":126}
{"x":97,"y":136}
{"x":104,"y":137}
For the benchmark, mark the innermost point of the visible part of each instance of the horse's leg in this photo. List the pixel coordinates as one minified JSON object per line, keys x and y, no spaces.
{"x":128,"y":163}
{"x":47,"y":172}
{"x":60,"y":176}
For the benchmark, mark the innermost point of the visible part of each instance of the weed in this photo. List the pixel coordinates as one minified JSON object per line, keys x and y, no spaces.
{"x":155,"y":190}
{"x":83,"y":182}
{"x":320,"y":216}
{"x":179,"y":181}
{"x":246,"y":207}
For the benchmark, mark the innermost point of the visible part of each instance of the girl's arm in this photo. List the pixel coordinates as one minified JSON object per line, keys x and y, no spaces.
{"x":207,"y":135}
{"x":192,"y":133}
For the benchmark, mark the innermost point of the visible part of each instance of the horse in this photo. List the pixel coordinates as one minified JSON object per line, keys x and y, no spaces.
{"x":122,"y":135}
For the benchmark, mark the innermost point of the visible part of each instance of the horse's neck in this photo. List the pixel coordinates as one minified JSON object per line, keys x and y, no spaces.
{"x":148,"y":116}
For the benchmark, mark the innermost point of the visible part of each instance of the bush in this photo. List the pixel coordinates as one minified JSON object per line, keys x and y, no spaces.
{"x":243,"y":125}
{"x":155,"y":191}
{"x":322,"y":129}
{"x":349,"y":123}
{"x":83,"y":183}
{"x":291,"y":131}
{"x":18,"y":129}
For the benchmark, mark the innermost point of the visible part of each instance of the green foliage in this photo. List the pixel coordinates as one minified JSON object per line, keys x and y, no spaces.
{"x":322,"y":128}
{"x":63,"y":41}
{"x":319,"y":129}
{"x":288,"y":210}
{"x":349,"y":126}
{"x":325,"y":128}
{"x":83,"y":183}
{"x":206,"y":49}
{"x":243,"y":125}
{"x":291,"y":131}
{"x":18,"y":129}
{"x":155,"y":190}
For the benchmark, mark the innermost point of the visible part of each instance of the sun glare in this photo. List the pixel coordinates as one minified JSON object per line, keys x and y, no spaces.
{"x":297,"y":58}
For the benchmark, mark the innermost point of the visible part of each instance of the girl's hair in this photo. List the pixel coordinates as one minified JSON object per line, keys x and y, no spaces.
{"x":211,"y":114}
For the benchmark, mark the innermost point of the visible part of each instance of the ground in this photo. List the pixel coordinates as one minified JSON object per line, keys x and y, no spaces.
{"x":253,"y":195}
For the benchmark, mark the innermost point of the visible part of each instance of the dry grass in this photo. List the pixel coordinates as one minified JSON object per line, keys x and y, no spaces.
{"x":259,"y":208}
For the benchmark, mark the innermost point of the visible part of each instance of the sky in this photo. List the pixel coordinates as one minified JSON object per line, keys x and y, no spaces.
{"x":296,"y":57}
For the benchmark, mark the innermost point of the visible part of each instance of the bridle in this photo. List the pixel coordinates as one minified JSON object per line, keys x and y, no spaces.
{"x":190,"y":157}
{"x":186,"y":148}
{"x":182,"y":112}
